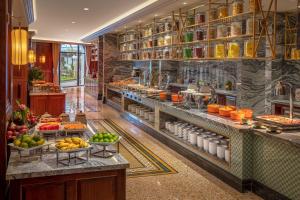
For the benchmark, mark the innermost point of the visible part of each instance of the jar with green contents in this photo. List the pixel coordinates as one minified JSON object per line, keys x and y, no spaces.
{"x":187,"y":52}
{"x":190,"y":20}
{"x":188,"y":36}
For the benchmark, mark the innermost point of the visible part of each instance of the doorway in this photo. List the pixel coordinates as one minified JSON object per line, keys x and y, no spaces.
{"x":71,"y":65}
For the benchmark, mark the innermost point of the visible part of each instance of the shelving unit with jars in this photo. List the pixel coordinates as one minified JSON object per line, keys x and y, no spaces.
{"x":159,"y":39}
{"x":218,"y":30}
{"x":129,"y":44}
{"x":291,"y":50}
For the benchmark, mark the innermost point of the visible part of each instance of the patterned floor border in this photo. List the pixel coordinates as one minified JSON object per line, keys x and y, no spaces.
{"x":157,"y":165}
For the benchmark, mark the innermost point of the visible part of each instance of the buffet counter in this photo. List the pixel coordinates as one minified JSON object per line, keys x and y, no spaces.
{"x":254,"y":154}
{"x":50,"y":102}
{"x":98,"y":178}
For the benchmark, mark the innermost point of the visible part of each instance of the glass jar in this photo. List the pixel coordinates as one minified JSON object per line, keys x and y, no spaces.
{"x":200,"y":18}
{"x":213,"y":14}
{"x":129,"y":56}
{"x":221,"y":31}
{"x":249,"y":26}
{"x":236,"y":29}
{"x":188,"y":36}
{"x":161,"y":28}
{"x":166,"y":53}
{"x":248,"y":48}
{"x":199,"y":34}
{"x":135,"y":45}
{"x":254,"y":5}
{"x":212,"y":33}
{"x":178,"y":53}
{"x":233,"y":50}
{"x":294,"y":54}
{"x":237,"y":7}
{"x":209,"y":51}
{"x":187,"y":52}
{"x":131,"y":37}
{"x":167,"y":40}
{"x":130,"y":46}
{"x":149,"y":43}
{"x":198,"y":51}
{"x":222,"y":11}
{"x":220,"y":51}
{"x":168,"y":26}
{"x":159,"y":54}
{"x":174,"y":39}
{"x":155,"y":42}
{"x":160,"y":41}
{"x":190,"y":20}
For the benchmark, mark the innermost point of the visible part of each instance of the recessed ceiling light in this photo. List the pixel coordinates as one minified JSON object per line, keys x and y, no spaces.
{"x":73,"y":22}
{"x":184,"y":3}
{"x":86,"y":9}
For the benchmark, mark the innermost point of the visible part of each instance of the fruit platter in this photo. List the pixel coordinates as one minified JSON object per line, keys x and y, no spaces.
{"x":50,"y":119}
{"x":104,"y":139}
{"x":49,"y":127}
{"x":73,"y":144}
{"x":29,"y":143}
{"x":74,"y":127}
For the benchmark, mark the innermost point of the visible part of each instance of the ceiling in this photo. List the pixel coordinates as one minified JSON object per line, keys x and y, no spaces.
{"x":54,"y":17}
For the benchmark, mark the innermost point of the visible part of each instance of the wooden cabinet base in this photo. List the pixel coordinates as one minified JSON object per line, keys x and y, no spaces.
{"x":106,"y":185}
{"x":52,"y":104}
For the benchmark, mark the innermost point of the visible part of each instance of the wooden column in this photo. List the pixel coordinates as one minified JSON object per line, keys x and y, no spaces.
{"x":5,"y":73}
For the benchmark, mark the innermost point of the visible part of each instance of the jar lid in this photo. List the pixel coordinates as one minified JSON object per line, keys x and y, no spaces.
{"x":46,"y":115}
{"x":64,"y":115}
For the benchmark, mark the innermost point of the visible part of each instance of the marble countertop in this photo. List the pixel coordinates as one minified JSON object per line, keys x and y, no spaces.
{"x":46,"y":93}
{"x":35,"y":167}
{"x":288,"y":137}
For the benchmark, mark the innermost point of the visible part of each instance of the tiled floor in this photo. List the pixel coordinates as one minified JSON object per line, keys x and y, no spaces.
{"x":191,"y":183}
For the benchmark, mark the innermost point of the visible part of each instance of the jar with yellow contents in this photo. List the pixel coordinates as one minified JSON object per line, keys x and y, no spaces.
{"x":212,"y":14}
{"x":237,"y":7}
{"x":222,"y":11}
{"x":248,"y":48}
{"x":254,"y":5}
{"x":220,"y":50}
{"x":233,"y":50}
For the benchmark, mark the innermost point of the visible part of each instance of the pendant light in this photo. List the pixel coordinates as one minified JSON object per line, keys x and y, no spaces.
{"x":31,"y":56}
{"x":19,"y":38}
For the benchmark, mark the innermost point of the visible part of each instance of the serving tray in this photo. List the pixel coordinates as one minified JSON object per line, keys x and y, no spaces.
{"x":267,"y":119}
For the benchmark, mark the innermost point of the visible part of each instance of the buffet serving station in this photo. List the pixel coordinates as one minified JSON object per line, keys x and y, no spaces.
{"x":246,"y":155}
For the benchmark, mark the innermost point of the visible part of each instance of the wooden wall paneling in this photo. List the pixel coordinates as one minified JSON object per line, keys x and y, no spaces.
{"x":5,"y":10}
{"x":45,"y":49}
{"x":38,"y":104}
{"x":20,"y":78}
{"x":106,"y":185}
{"x":55,"y":104}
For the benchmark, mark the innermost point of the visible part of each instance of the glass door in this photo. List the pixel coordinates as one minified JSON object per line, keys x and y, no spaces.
{"x":72,"y":64}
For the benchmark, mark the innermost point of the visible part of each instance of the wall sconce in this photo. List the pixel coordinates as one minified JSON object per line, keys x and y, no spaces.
{"x":31,"y":57}
{"x":42,"y":59}
{"x":19,"y":39}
